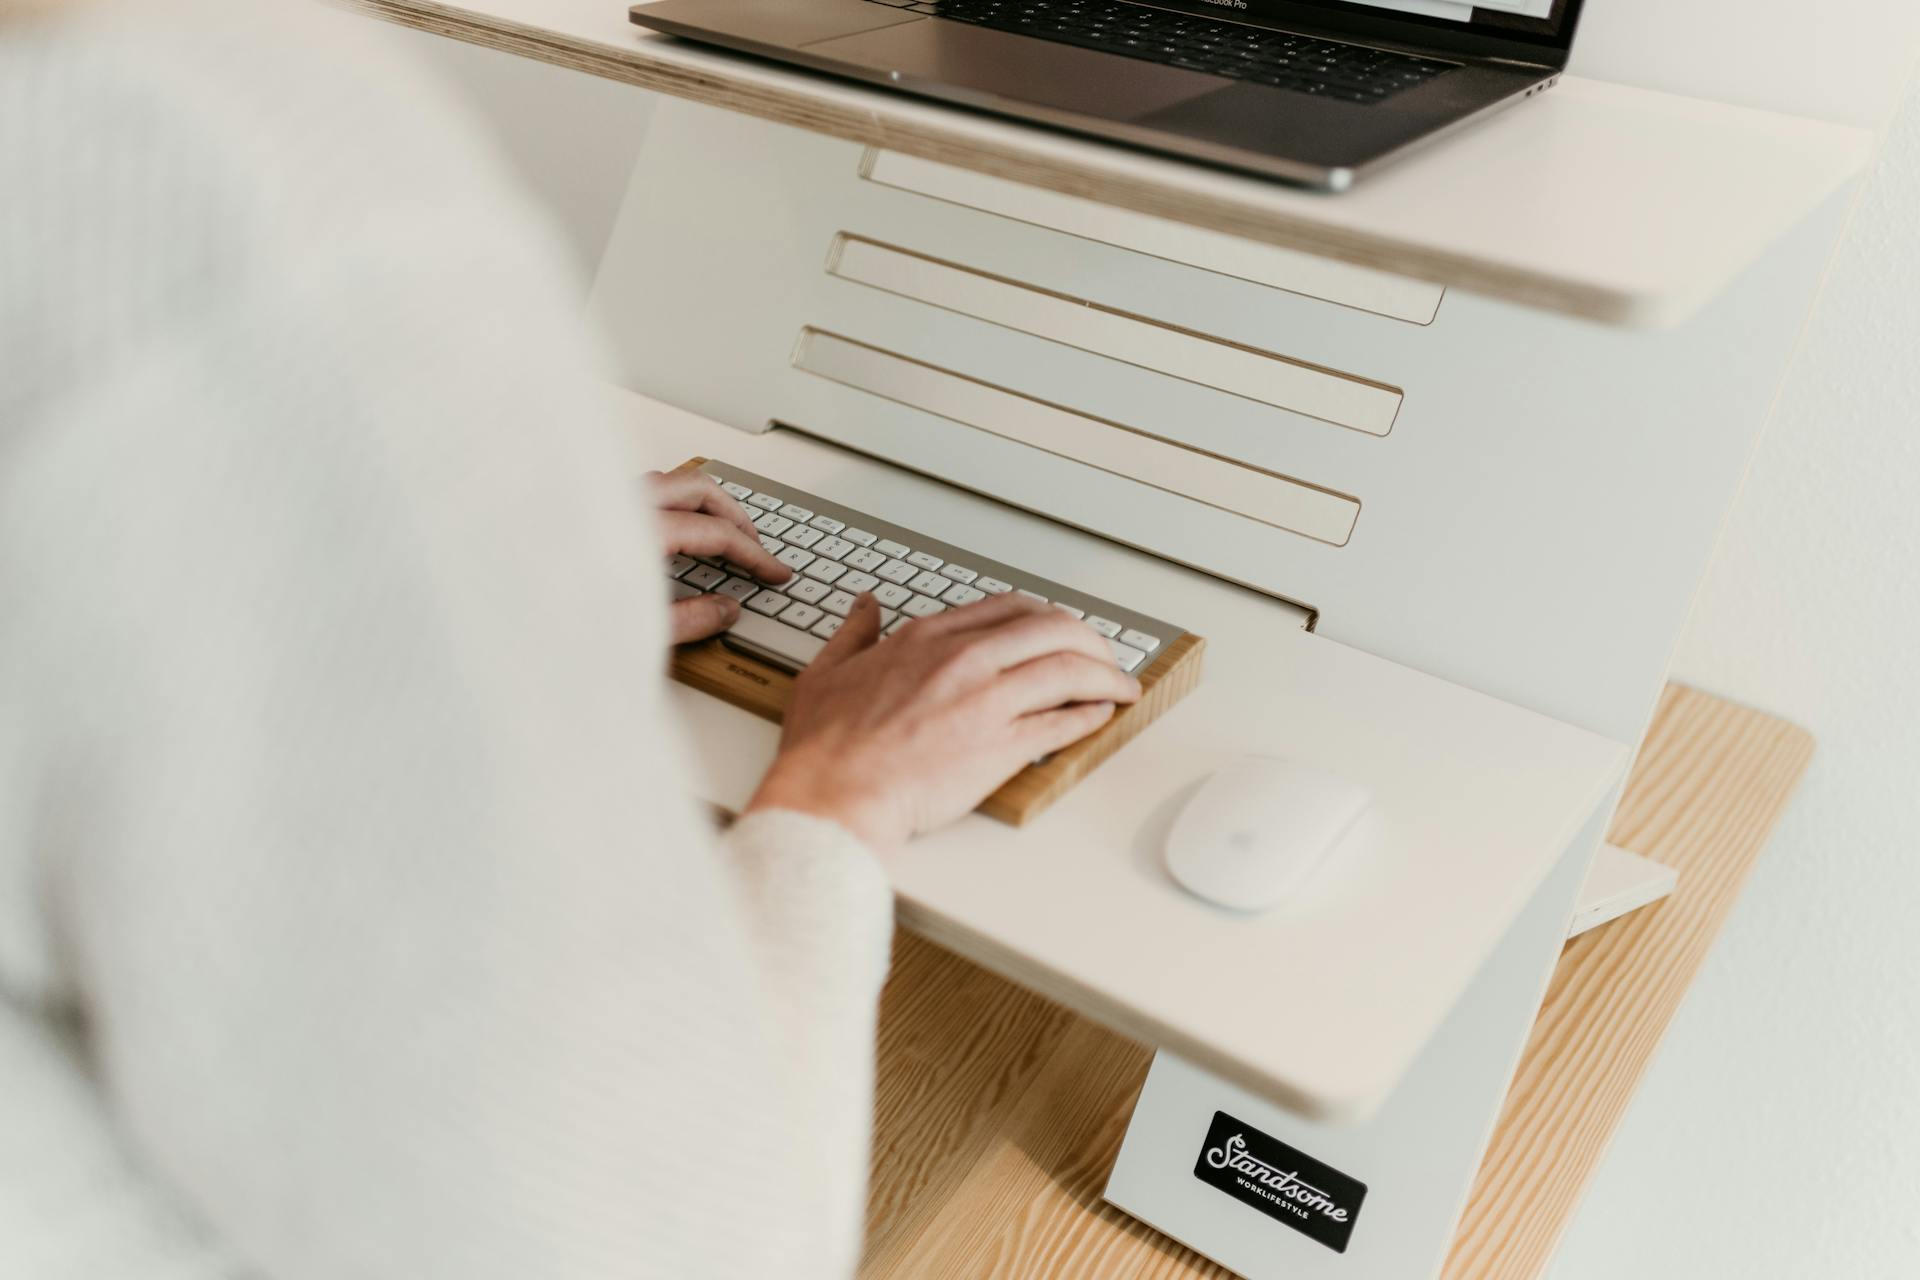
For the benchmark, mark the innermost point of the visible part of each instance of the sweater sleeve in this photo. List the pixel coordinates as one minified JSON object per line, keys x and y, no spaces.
{"x":338,"y":772}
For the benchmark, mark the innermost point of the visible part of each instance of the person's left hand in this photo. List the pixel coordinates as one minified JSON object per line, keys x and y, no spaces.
{"x":697,"y":518}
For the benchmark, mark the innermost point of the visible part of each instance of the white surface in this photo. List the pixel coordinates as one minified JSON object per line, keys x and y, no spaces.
{"x":1315,"y":393}
{"x":1506,"y":539}
{"x":1835,"y":60}
{"x":1415,"y":301}
{"x":1257,"y":831}
{"x":571,"y":137}
{"x":1782,"y":1107}
{"x":1473,"y":801}
{"x":1417,"y":1156}
{"x":1619,"y":881}
{"x":1117,"y":450}
{"x":1648,"y":202}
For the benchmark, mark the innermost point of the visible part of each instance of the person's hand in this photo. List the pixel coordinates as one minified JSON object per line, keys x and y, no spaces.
{"x":698,"y":518}
{"x":892,"y":738}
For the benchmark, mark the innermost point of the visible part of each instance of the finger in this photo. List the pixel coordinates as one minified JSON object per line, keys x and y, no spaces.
{"x":1046,"y":732}
{"x":1026,"y":637}
{"x":858,"y":632}
{"x":702,"y":616}
{"x":695,"y":533}
{"x":693,"y":491}
{"x":1060,"y":679}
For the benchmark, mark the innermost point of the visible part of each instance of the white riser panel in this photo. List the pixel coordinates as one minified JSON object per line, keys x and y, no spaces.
{"x":1414,"y":301}
{"x":1132,"y":338}
{"x":1533,"y":525}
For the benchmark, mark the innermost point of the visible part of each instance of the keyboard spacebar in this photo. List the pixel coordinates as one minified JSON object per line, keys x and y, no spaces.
{"x":759,"y":636}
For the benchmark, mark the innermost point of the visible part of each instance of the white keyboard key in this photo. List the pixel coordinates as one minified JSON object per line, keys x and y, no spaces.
{"x":824,"y":570}
{"x":738,"y":588}
{"x":826,"y":524}
{"x":993,"y":586}
{"x":679,"y":565}
{"x":765,"y":501}
{"x":896,"y":571}
{"x":807,"y":591}
{"x":957,"y":573}
{"x":895,"y":625}
{"x":1126,"y":655}
{"x":681,"y":591}
{"x":892,"y":594}
{"x":801,"y":536}
{"x":858,"y":582}
{"x":923,"y":560}
{"x":930,"y":584}
{"x":704,"y":577}
{"x":865,"y":560}
{"x":1033,"y":595}
{"x":827,"y":626}
{"x":796,"y":513}
{"x":770,"y":545}
{"x":1069,"y":610}
{"x":768,"y":602}
{"x":750,"y":511}
{"x":773,"y":524}
{"x":892,"y":548}
{"x":737,"y":489}
{"x":775,"y":640}
{"x":737,"y":570}
{"x":833,"y":548}
{"x":795,"y":558}
{"x":887,"y":617}
{"x":800,"y":615}
{"x":1140,"y":640}
{"x":1105,"y":626}
{"x":860,"y":536}
{"x":839,"y":604}
{"x":922,"y":607}
{"x":958,"y":595}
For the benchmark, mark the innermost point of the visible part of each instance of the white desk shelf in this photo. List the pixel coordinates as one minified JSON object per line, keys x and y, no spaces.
{"x":1620,"y":205}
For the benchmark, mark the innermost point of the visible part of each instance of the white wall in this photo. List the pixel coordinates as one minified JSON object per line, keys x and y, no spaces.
{"x":1778,"y":1133}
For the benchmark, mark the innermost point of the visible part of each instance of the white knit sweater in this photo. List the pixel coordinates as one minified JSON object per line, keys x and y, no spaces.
{"x":342,"y":819}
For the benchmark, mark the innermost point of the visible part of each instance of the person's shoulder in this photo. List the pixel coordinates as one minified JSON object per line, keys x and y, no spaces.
{"x":286,"y":106}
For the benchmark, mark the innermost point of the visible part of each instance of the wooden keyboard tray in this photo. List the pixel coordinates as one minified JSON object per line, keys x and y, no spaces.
{"x":711,"y":667}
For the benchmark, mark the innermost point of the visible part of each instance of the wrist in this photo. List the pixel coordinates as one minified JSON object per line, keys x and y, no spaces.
{"x":807,"y":792}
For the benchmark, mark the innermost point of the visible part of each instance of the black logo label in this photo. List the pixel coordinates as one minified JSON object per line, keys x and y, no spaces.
{"x":1314,"y":1199}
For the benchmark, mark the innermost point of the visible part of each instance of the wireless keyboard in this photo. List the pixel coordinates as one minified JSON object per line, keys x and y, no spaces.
{"x":837,"y":553}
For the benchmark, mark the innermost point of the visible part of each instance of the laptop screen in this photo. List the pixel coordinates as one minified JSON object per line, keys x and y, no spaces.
{"x":1542,"y":22}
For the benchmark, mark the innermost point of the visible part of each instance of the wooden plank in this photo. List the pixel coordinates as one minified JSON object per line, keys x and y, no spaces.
{"x":999,"y":1114}
{"x":752,"y":685}
{"x":1705,"y":794}
{"x":1611,"y":203}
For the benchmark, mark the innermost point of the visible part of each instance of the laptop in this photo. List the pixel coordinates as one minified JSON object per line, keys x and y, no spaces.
{"x":1315,"y":92}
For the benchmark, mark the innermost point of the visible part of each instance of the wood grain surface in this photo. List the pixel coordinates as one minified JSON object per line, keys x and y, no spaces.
{"x":765,"y":690}
{"x":998,"y":1114}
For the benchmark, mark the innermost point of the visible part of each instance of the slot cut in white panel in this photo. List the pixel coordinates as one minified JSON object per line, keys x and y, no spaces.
{"x":1264,"y":376}
{"x":1120,"y":450}
{"x":1362,"y":288}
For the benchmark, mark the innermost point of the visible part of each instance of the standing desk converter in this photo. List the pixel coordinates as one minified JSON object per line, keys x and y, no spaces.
{"x":1505,"y":393}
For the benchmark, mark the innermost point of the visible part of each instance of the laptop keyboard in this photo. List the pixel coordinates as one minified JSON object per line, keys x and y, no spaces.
{"x":1322,"y":68}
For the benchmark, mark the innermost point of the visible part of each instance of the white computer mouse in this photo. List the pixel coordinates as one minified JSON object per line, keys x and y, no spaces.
{"x":1257,"y":829}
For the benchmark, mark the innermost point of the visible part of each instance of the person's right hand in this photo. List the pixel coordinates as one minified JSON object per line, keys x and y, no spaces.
{"x":892,"y":739}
